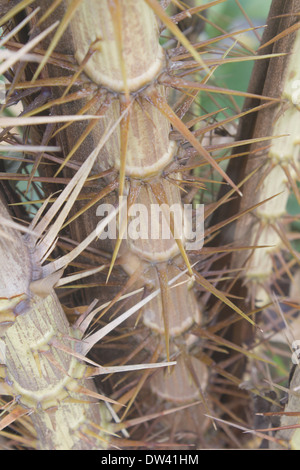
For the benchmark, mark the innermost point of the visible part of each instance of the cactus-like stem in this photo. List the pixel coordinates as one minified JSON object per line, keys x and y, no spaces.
{"x":277,"y":167}
{"x":44,"y":378}
{"x":289,"y":432}
{"x":139,"y":151}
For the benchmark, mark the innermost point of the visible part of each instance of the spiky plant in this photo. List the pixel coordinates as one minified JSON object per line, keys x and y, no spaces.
{"x":112,"y":112}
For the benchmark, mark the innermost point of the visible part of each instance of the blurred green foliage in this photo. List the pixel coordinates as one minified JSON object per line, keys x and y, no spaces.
{"x":231,"y":15}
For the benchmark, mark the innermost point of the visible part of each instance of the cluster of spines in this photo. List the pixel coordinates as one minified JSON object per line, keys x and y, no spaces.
{"x":279,"y":177}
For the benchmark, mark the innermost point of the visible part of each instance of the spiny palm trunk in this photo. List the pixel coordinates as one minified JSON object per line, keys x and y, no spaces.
{"x":141,"y":150}
{"x":146,"y":146}
{"x":38,"y":368}
{"x":105,"y":60}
